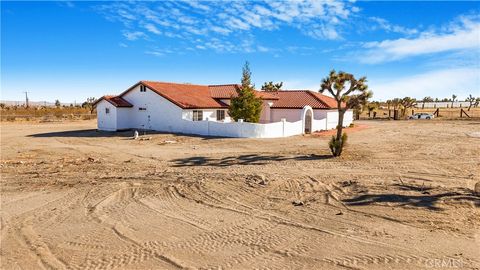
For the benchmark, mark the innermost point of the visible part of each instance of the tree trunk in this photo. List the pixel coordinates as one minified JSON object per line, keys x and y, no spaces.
{"x":341,"y":113}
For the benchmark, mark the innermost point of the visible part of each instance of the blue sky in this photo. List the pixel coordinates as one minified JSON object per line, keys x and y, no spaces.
{"x":73,"y":50}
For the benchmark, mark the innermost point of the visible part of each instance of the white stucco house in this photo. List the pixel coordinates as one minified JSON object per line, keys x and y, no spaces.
{"x":203,"y":110}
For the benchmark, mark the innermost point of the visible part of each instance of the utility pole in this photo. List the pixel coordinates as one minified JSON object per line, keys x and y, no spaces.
{"x":26,"y":99}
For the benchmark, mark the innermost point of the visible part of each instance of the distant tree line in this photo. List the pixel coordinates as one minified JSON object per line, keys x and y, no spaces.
{"x":88,"y":104}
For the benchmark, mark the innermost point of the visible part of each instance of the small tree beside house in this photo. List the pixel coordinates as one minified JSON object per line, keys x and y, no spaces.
{"x":246,"y":105}
{"x":349,"y":93}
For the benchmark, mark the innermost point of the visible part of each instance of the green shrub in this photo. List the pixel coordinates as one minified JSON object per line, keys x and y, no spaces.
{"x":336,"y":146}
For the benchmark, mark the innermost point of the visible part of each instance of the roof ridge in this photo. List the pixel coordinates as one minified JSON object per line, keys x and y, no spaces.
{"x":317,"y":98}
{"x":328,"y":97}
{"x":291,"y":90}
{"x":144,"y":81}
{"x":228,"y":84}
{"x":314,"y":94}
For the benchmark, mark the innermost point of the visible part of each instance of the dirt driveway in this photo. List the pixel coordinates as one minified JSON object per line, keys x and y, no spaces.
{"x":400,"y":198}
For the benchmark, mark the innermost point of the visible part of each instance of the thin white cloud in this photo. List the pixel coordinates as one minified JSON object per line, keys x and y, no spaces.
{"x":133,"y":35}
{"x":262,"y":49}
{"x":438,"y":83}
{"x":69,"y":4}
{"x":152,"y":28}
{"x":464,"y":35}
{"x":380,"y":23}
{"x":155,"y":53}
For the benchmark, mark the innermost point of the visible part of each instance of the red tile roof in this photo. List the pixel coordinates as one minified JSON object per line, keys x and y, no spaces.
{"x":223,"y":91}
{"x":187,"y":96}
{"x":329,"y":101}
{"x":226,"y":91}
{"x":193,"y":96}
{"x":293,"y":99}
{"x":115,"y":101}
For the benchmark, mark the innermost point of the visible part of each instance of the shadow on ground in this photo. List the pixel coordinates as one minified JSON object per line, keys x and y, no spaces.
{"x":252,"y":159}
{"x":422,"y":201}
{"x":83,"y":133}
{"x":94,"y":133}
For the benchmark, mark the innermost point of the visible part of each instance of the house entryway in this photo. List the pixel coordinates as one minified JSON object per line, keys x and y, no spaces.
{"x":308,"y":122}
{"x":307,"y":119}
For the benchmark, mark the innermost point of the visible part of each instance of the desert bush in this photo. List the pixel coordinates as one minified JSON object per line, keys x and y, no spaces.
{"x":336,"y":146}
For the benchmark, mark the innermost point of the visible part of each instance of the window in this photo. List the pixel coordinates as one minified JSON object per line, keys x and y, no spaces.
{"x":220,"y":115}
{"x":143,"y":88}
{"x":197,"y":115}
{"x":142,"y":109}
{"x":107,"y":110}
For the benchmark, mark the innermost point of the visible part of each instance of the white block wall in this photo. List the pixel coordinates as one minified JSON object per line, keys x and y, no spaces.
{"x":242,"y":130}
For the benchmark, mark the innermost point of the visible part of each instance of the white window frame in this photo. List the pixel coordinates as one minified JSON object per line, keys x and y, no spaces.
{"x":142,"y":108}
{"x":107,"y":110}
{"x":143,"y":88}
{"x":197,"y":115}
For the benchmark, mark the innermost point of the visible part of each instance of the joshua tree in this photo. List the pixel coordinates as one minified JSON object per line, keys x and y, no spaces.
{"x":57,"y":103}
{"x":407,"y":102}
{"x":396,"y":102}
{"x":473,"y":101}
{"x":349,"y":93}
{"x":89,"y":104}
{"x":246,"y":105}
{"x":453,"y":99}
{"x":271,"y":87}
{"x":372,"y":106}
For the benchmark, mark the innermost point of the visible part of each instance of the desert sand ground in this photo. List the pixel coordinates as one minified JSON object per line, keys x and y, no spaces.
{"x":401,"y":197}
